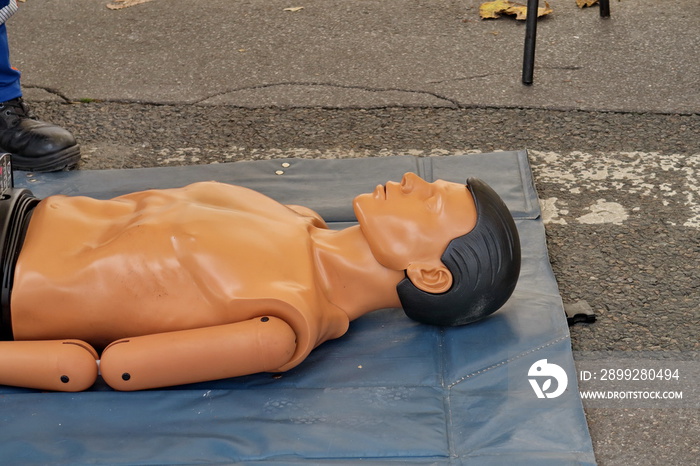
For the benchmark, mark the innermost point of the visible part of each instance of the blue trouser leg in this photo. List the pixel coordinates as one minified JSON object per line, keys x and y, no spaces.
{"x":9,"y":77}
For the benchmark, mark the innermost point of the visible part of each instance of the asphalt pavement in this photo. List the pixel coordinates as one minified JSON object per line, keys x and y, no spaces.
{"x":612,"y":123}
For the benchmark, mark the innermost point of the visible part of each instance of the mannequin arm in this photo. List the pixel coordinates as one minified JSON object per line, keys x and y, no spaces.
{"x":198,"y":355}
{"x":60,"y":365}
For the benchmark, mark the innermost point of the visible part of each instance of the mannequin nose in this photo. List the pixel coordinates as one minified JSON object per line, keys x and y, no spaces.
{"x":414,"y":183}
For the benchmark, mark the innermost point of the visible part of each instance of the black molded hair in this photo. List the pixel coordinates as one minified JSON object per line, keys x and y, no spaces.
{"x":485,"y":266}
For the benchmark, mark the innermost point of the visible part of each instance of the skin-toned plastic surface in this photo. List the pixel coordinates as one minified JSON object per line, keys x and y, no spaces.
{"x":408,"y":225}
{"x":187,"y":356}
{"x":176,"y":283}
{"x":67,"y":365}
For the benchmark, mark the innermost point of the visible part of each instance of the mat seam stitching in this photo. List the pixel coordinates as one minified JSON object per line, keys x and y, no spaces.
{"x":502,"y":363}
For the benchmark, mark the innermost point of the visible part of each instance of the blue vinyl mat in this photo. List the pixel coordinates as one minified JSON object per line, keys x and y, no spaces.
{"x":389,"y":391}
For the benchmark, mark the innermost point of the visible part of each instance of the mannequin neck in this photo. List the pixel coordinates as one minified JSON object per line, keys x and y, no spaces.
{"x":351,"y":278}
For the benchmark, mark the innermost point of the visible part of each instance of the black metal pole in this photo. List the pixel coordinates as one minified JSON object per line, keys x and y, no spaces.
{"x":604,"y":8}
{"x":530,"y":40}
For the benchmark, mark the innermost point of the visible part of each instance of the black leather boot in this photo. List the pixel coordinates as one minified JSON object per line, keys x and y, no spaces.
{"x":35,"y":145}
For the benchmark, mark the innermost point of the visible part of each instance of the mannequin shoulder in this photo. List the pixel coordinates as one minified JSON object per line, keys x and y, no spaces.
{"x":316,"y":219}
{"x":218,"y":194}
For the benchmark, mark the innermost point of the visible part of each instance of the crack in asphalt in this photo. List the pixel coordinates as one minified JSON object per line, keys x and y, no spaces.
{"x":452,"y":102}
{"x":50,"y":90}
{"x":467,"y":78}
{"x":331,"y":85}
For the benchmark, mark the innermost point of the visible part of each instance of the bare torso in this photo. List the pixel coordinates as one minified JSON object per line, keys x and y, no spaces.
{"x":165,"y":260}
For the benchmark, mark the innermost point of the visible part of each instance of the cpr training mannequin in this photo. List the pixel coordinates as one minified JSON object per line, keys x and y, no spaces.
{"x":210,"y":281}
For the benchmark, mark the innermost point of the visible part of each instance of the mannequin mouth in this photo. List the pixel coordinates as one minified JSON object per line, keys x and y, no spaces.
{"x":380,"y":192}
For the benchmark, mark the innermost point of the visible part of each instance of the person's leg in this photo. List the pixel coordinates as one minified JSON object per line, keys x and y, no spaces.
{"x":9,"y":77}
{"x":35,"y":145}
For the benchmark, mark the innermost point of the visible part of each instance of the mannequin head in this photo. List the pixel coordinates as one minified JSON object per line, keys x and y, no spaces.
{"x":459,"y":246}
{"x":408,"y":226}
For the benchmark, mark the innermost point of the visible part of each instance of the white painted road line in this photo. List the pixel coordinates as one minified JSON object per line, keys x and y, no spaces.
{"x":643,"y":179}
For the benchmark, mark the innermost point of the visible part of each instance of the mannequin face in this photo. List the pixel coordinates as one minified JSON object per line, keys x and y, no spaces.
{"x":413,"y":221}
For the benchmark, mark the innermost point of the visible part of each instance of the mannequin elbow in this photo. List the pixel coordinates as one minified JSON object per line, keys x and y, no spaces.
{"x":77,"y":366}
{"x":277,"y":343}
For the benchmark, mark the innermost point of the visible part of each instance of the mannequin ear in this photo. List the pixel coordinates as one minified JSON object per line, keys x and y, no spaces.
{"x":429,"y":277}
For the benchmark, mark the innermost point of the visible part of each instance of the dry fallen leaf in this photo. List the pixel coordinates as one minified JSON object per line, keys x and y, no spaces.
{"x":294,"y":8}
{"x":585,"y":3}
{"x":497,"y":8}
{"x":119,"y":4}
